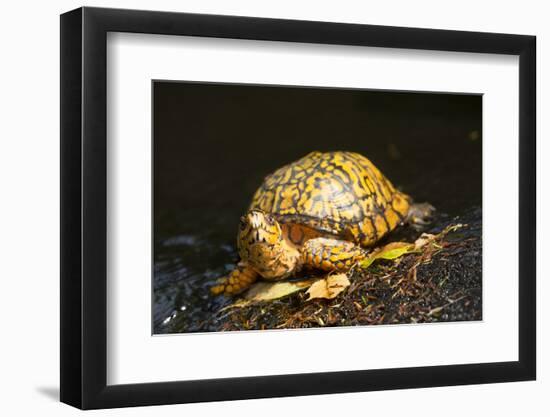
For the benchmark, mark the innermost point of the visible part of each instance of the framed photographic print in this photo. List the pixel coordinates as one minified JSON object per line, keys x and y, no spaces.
{"x":257,"y":207}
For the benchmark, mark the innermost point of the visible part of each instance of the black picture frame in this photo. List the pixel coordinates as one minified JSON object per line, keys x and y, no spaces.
{"x":83,"y":207}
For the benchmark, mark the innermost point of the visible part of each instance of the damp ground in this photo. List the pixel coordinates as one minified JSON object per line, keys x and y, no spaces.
{"x":438,"y":284}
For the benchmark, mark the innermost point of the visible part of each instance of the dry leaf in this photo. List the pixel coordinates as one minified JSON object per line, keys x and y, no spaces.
{"x":328,"y":287}
{"x":424,"y":239}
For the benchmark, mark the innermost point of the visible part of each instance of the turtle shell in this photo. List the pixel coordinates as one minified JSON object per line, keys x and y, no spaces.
{"x":337,"y":193}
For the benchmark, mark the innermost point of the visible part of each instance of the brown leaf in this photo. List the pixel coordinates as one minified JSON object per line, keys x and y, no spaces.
{"x":328,"y":287}
{"x":423,"y":240}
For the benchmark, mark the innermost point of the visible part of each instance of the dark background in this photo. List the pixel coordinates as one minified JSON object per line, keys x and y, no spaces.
{"x":214,"y":143}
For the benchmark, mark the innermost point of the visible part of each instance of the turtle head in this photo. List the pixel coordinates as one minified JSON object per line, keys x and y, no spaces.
{"x":262,"y":245}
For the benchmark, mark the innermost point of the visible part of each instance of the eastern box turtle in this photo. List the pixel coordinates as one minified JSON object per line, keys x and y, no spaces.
{"x":321,"y":212}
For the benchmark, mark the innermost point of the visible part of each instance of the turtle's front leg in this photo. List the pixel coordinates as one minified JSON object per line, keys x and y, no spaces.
{"x":238,"y":280}
{"x":331,"y":254}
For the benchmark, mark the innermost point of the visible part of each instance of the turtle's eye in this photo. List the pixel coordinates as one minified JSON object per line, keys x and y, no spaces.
{"x":270,"y":220}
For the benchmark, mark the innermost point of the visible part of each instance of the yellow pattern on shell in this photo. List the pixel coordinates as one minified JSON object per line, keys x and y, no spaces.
{"x":336,"y":193}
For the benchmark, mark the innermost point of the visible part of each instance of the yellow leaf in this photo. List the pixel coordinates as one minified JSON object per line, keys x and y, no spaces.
{"x":367,"y":262}
{"x":395,"y":250}
{"x":392,"y":250}
{"x":265,"y":291}
{"x":328,"y":287}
